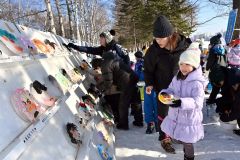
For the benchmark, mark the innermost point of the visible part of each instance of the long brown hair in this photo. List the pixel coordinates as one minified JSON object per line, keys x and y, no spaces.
{"x":173,"y":41}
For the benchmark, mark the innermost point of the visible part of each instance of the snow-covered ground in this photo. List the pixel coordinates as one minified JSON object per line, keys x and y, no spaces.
{"x":219,"y":143}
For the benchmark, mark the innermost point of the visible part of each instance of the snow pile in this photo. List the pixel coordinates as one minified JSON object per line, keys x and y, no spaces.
{"x":219,"y":143}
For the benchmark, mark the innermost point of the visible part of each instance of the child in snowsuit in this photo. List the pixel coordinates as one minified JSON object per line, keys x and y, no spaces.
{"x":150,"y":101}
{"x":184,"y":120}
{"x":138,"y":69}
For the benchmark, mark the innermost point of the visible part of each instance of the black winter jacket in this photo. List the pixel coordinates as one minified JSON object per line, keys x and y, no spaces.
{"x":213,"y":60}
{"x":160,"y":65}
{"x":113,"y":47}
{"x":232,"y":77}
{"x":117,"y":73}
{"x":234,"y":108}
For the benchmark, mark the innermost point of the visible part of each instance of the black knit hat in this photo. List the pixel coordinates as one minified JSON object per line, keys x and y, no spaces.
{"x":216,"y":39}
{"x":138,"y":54}
{"x":162,"y":27}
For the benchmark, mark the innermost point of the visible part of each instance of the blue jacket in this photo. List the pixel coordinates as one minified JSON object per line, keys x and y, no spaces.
{"x":139,"y":70}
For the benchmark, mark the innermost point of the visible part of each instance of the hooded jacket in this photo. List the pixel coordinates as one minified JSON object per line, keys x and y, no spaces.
{"x":138,"y":69}
{"x":160,"y":65}
{"x":117,"y":73}
{"x":185,"y":122}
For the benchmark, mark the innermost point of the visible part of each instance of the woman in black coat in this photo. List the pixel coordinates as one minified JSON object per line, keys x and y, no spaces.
{"x":160,"y":66}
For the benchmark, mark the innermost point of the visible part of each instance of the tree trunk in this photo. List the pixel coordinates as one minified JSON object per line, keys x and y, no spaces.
{"x":70,"y":19}
{"x":60,"y":18}
{"x":77,"y":20}
{"x":236,"y":5}
{"x":81,"y":15}
{"x":50,"y":17}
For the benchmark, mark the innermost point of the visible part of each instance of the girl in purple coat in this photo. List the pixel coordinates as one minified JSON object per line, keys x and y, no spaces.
{"x":184,"y":120}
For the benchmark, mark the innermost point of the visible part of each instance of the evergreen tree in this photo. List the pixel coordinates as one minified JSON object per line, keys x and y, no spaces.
{"x":134,"y":19}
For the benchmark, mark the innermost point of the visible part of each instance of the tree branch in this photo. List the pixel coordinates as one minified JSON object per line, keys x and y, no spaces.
{"x":220,"y":3}
{"x":206,"y":21}
{"x":32,"y":14}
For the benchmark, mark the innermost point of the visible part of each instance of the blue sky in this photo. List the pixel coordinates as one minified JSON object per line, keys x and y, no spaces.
{"x":206,"y":12}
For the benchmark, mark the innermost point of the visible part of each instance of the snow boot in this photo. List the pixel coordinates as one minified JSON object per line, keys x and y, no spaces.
{"x":138,"y":124}
{"x":236,"y":131}
{"x":187,"y":158}
{"x":167,"y":146}
{"x":132,"y":112}
{"x":150,"y":128}
{"x":122,"y":127}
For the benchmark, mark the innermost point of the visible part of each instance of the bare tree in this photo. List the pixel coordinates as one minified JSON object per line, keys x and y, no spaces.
{"x":70,"y":12}
{"x":50,"y":17}
{"x":83,"y":19}
{"x":76,"y":5}
{"x":234,"y":4}
{"x":60,"y":18}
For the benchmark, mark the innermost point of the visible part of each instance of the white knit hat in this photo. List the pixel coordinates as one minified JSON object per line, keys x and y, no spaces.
{"x":107,"y":35}
{"x":191,"y":55}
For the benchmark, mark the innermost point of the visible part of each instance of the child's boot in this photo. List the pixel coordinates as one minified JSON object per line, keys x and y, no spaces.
{"x":150,"y":128}
{"x":167,"y":145}
{"x":138,"y":124}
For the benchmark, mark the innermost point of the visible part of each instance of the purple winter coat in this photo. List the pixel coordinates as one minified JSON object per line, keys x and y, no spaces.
{"x":185,"y":123}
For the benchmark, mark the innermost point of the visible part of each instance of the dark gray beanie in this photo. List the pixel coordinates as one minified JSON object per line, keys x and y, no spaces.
{"x":162,"y":27}
{"x":216,"y":39}
{"x":139,"y":54}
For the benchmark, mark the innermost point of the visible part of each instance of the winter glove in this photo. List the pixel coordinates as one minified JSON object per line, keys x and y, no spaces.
{"x":71,"y":45}
{"x":66,"y":46}
{"x":149,"y":89}
{"x":164,"y":94}
{"x":176,"y":103}
{"x":78,"y":48}
{"x":210,"y":101}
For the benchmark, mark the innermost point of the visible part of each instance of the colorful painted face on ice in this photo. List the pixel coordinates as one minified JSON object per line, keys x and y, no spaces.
{"x":11,"y":42}
{"x":41,"y":46}
{"x":25,"y":106}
